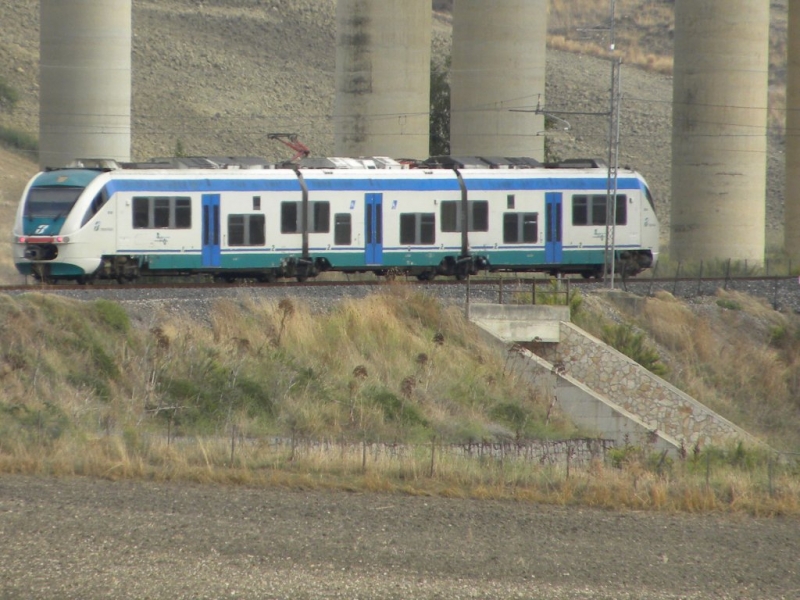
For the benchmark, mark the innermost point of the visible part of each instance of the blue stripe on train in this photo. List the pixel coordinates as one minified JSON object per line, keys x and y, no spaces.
{"x":365,"y":185}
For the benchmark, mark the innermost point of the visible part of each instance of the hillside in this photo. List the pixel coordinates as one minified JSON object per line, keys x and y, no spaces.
{"x":217,"y":76}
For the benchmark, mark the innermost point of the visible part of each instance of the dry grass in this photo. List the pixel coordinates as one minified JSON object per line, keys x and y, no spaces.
{"x":642,"y":31}
{"x":683,"y":487}
{"x":198,"y":401}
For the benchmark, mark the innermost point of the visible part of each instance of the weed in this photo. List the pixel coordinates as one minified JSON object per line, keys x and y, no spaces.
{"x":729,"y":304}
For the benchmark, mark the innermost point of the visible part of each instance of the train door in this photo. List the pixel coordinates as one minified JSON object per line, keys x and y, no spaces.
{"x":553,"y":228}
{"x":211,"y":249}
{"x":373,"y":234}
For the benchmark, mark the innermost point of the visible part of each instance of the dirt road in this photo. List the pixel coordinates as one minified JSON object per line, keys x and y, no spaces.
{"x":82,"y":538}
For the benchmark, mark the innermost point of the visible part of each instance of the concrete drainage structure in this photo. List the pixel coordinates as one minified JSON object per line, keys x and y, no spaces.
{"x":599,"y":388}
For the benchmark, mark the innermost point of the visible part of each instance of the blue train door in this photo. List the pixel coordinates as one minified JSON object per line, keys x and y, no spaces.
{"x":553,"y":228}
{"x":373,"y":234}
{"x":211,"y":251}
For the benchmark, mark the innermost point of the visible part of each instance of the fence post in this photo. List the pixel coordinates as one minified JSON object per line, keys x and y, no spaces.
{"x":700,"y":279}
{"x":569,"y":458}
{"x":675,"y":283}
{"x":233,"y":443}
{"x":727,"y":274}
{"x":769,"y":472}
{"x":433,"y":455}
{"x":469,"y":289}
{"x":775,"y":295}
{"x":364,"y":455}
{"x":652,"y":280}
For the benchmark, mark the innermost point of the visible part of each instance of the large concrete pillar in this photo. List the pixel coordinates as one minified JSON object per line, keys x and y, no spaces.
{"x":85,"y":80}
{"x":792,"y":192}
{"x":719,"y":138}
{"x":383,"y":56}
{"x":498,"y":64}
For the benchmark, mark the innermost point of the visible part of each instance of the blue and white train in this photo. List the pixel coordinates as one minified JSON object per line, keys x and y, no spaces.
{"x":241,"y":219}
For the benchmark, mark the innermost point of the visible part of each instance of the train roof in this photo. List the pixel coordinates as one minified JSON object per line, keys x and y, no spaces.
{"x":368,"y":163}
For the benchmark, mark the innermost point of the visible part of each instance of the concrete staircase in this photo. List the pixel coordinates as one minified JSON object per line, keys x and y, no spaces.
{"x":599,"y":388}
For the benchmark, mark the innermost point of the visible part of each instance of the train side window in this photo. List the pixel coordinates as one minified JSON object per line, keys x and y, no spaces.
{"x":520,"y":228}
{"x":289,"y":217}
{"x":580,"y":210}
{"x":511,"y":200}
{"x":479,"y":215}
{"x":417,"y":228}
{"x":256,"y":229}
{"x":183,"y":213}
{"x":622,"y":210}
{"x":427,"y":228}
{"x":161,"y":213}
{"x":246,"y":230}
{"x":342,"y":229}
{"x":256,"y":202}
{"x":530,"y":228}
{"x":477,"y":219}
{"x":236,"y":230}
{"x":591,"y":210}
{"x":141,"y":213}
{"x":597,"y":210}
{"x":449,"y":211}
{"x":320,"y":217}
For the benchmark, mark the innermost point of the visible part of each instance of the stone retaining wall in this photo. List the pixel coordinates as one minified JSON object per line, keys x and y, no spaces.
{"x":625,"y":383}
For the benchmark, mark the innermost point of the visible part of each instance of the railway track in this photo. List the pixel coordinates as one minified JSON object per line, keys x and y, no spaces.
{"x":782,"y":292}
{"x":659,"y":283}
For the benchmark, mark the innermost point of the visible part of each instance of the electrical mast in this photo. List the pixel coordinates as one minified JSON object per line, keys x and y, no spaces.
{"x":613,"y":153}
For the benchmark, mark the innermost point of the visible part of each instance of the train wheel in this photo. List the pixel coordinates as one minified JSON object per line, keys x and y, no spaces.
{"x":267,"y":276}
{"x":593,"y":273}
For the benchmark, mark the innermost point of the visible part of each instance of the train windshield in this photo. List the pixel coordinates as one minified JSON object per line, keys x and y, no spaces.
{"x":51,"y":202}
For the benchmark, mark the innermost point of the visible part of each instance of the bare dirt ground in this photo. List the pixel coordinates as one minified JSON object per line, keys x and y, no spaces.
{"x":83,"y":538}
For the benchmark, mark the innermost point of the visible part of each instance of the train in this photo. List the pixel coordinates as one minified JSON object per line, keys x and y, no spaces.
{"x":240,"y":218}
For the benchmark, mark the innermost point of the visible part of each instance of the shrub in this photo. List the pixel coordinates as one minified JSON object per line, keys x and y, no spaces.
{"x":397,"y":410}
{"x":633,"y":345}
{"x":8,"y":96}
{"x":113,"y":315}
{"x":20,"y":140}
{"x":729,"y":304}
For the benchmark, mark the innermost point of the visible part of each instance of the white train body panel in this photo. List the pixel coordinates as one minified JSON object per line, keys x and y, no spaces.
{"x":264,"y":223}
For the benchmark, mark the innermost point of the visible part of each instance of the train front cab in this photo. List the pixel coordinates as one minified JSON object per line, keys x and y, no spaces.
{"x":48,"y":239}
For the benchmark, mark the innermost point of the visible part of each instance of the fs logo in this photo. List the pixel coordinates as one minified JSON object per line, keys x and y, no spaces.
{"x":41,"y":229}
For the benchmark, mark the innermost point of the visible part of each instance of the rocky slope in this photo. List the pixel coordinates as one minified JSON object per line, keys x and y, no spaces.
{"x":217,"y":76}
